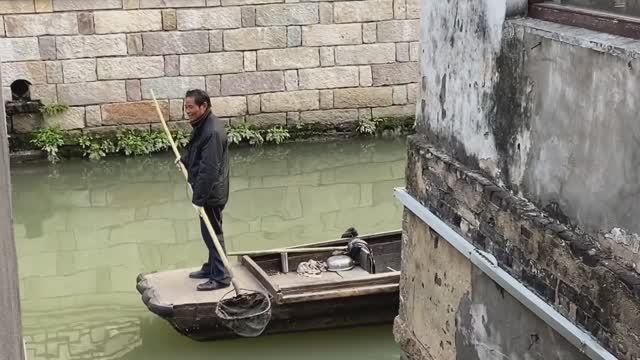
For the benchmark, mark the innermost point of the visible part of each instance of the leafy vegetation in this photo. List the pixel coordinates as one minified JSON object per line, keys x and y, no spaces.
{"x":277,"y":135}
{"x":95,"y":148}
{"x":181,"y":138}
{"x":54,"y":109}
{"x":133,"y":142}
{"x":49,"y":140}
{"x":368,"y":127}
{"x":386,"y":126}
{"x":137,"y":142}
{"x":240,"y":132}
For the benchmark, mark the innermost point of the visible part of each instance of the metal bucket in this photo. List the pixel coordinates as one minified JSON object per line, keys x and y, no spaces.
{"x":340,"y":263}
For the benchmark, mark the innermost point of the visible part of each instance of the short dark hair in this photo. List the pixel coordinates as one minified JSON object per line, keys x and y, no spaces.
{"x":200,"y":97}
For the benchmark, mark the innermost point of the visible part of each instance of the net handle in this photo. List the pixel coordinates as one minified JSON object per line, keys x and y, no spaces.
{"x":202,"y":213}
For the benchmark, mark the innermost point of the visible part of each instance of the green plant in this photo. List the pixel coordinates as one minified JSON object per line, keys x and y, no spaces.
{"x":96,"y":148}
{"x":49,"y":140}
{"x":277,"y":134}
{"x":130,"y":142}
{"x":155,"y":141}
{"x":139,"y":142}
{"x":54,"y":109}
{"x":237,"y":133}
{"x":368,"y":126}
{"x":181,"y":138}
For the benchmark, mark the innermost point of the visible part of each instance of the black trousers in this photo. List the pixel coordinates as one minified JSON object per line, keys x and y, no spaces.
{"x":214,"y":265}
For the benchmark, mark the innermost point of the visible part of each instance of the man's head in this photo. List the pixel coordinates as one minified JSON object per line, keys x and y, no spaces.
{"x":196,"y":103}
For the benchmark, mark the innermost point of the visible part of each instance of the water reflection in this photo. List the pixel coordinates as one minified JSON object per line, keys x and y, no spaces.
{"x":84,"y":230}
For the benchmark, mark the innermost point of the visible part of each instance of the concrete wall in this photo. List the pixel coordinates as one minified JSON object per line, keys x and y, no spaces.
{"x":460,"y":313}
{"x":544,"y":110}
{"x":558,"y":264}
{"x":11,"y":337}
{"x":527,"y":145}
{"x":264,"y":61}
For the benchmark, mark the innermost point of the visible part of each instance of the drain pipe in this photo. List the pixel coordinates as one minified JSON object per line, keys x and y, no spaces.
{"x":488,"y":264}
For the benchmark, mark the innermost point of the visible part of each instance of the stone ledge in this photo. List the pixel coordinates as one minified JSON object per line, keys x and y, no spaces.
{"x":589,"y":39}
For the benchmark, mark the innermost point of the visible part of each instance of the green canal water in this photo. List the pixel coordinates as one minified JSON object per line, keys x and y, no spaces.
{"x":84,"y":230}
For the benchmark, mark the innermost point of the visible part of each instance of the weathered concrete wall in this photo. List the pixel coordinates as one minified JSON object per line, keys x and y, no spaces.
{"x":544,"y":110}
{"x":265,"y":62}
{"x":557,"y":263}
{"x":472,"y":317}
{"x":584,"y":136}
{"x":11,"y":335}
{"x":538,"y":122}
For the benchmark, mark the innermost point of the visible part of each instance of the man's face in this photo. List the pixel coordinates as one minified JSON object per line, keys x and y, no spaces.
{"x":193,"y":110}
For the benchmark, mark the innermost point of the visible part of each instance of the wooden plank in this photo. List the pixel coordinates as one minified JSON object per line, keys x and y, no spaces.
{"x":586,"y":18}
{"x":378,"y":235}
{"x":261,"y":276}
{"x":374,"y":279}
{"x":340,"y":293}
{"x":11,"y":345}
{"x":286,"y":250}
{"x":387,"y":236}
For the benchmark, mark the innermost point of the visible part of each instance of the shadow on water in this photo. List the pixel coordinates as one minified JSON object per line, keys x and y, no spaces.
{"x":371,"y":343}
{"x":84,"y":230}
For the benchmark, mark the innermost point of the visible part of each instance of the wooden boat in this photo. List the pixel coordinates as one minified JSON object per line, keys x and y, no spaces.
{"x":334,"y":299}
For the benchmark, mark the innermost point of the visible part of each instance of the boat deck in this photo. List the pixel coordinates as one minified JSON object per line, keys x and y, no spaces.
{"x":293,"y":279}
{"x":174,"y":287}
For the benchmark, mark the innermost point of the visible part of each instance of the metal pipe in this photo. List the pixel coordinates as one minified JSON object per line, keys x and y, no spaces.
{"x":488,"y":264}
{"x":516,"y":7}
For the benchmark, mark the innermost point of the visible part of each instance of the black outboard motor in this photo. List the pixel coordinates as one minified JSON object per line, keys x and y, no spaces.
{"x":359,"y":251}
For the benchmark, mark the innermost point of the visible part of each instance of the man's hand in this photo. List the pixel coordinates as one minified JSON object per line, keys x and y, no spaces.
{"x":197,"y":208}
{"x":177,"y":163}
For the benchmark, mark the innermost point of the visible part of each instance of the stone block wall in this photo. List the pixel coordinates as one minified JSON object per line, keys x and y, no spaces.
{"x":265,"y":62}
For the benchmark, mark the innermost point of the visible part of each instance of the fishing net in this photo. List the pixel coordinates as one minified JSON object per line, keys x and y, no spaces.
{"x":246,"y":314}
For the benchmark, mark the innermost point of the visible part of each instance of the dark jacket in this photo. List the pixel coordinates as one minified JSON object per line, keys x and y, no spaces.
{"x":207,"y":161}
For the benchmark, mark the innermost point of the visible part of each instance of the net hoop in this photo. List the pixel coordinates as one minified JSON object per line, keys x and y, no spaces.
{"x":246,"y":314}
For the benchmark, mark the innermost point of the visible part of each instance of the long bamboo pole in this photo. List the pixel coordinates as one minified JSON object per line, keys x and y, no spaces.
{"x":202,"y":213}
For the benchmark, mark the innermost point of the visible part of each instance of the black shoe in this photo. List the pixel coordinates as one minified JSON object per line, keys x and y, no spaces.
{"x":199,"y":275}
{"x":211,"y":285}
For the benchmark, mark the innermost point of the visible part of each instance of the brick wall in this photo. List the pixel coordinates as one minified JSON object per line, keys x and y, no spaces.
{"x":263,"y":61}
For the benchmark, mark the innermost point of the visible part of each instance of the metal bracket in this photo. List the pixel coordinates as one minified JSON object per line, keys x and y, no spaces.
{"x":487,"y":263}
{"x":284,"y":262}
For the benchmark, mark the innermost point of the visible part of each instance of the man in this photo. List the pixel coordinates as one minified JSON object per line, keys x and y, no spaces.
{"x":207,"y":162}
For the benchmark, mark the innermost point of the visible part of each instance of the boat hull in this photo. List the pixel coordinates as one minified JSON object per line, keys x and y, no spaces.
{"x":200,"y":323}
{"x":352,"y":298}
